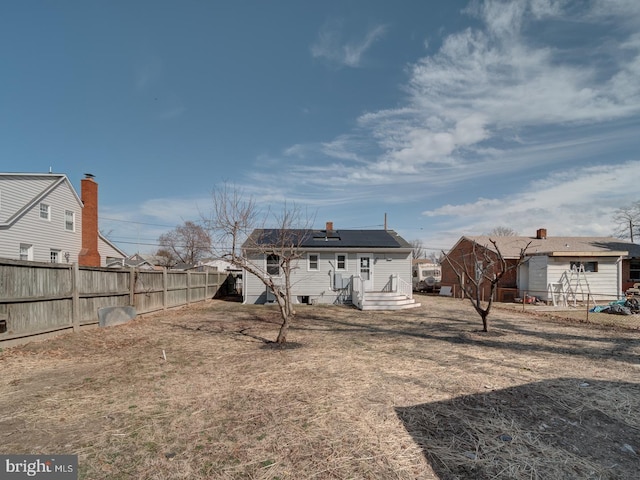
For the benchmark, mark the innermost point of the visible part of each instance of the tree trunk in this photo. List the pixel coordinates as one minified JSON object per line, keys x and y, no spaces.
{"x":282,"y":334}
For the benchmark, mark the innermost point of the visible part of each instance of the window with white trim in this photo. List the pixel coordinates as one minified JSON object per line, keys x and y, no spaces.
{"x":26,"y":251}
{"x":586,"y":266}
{"x":313,"y":262}
{"x":341,"y":261}
{"x":45,"y":211}
{"x":54,"y":256}
{"x":273,"y":265}
{"x":69,"y":221}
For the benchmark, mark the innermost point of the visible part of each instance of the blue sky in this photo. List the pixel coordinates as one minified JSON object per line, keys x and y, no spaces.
{"x":451,"y":117}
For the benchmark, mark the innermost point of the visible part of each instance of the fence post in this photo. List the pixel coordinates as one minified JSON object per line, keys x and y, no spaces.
{"x":588,"y":303}
{"x":75,"y":297}
{"x":206,"y":284}
{"x":188,"y":287}
{"x":165,"y":279}
{"x":132,"y":286}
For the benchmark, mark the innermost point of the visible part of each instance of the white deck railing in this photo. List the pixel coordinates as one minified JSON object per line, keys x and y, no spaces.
{"x":395,"y":285}
{"x":357,"y":292}
{"x":403,"y":287}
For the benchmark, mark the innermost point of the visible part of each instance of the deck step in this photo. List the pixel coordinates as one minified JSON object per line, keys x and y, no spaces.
{"x":388,"y":301}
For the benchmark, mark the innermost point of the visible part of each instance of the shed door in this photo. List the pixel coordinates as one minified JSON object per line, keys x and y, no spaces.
{"x":365,"y":270}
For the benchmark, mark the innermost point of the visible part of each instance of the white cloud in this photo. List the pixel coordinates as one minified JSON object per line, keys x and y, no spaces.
{"x":331,"y":44}
{"x":489,"y":94}
{"x":572,"y":202}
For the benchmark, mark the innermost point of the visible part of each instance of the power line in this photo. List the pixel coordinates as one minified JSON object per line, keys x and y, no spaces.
{"x":138,"y":223}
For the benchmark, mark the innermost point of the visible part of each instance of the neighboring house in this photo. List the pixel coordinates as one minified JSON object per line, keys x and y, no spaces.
{"x":554,"y":269}
{"x":369,"y":268}
{"x":111,"y":256}
{"x":218,"y":265}
{"x":143,"y":262}
{"x":43,"y":219}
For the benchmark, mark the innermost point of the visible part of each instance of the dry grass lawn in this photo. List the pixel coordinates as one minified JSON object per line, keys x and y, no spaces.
{"x":197,"y":393}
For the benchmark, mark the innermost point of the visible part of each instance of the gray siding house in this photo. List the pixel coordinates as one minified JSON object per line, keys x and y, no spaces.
{"x":368,"y":268}
{"x":42,"y":219}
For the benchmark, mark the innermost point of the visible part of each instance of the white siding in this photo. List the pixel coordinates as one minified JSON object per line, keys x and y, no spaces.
{"x":318,"y":285}
{"x":18,"y":190}
{"x":29,"y":228}
{"x":105,"y":250}
{"x":538,"y":281}
{"x":602,"y":284}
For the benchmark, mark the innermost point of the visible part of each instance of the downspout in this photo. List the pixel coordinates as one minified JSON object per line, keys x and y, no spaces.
{"x":620,"y":293}
{"x":331,"y":281}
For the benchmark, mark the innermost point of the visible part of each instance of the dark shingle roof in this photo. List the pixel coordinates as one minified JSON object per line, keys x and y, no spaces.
{"x":557,"y":246}
{"x":317,"y":239}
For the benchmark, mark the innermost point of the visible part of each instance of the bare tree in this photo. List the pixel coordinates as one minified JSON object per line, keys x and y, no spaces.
{"x":187,"y":243}
{"x":479,"y":267}
{"x":627,"y":220}
{"x":436,"y":257}
{"x":234,"y":220}
{"x":418,"y":249}
{"x":166,"y":258}
{"x":502,"y":232}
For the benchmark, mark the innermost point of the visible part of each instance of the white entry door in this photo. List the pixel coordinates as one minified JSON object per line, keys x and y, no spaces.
{"x":365,"y":270}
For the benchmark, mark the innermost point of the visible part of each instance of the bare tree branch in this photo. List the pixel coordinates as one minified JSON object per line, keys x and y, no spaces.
{"x":271,"y":254}
{"x":478,"y":267}
{"x":627,"y":220}
{"x":187,"y":243}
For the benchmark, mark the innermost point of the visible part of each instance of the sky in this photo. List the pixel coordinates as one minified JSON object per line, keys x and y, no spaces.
{"x":447,"y":118}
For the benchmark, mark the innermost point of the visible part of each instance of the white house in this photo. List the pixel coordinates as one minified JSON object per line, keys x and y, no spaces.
{"x":368,"y":268}
{"x":43,"y":219}
{"x":555,"y":269}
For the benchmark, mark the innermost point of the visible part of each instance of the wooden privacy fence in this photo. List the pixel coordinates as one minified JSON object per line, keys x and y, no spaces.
{"x":43,"y":298}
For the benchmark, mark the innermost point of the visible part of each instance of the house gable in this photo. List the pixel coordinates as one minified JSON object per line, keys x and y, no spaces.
{"x":41,"y":213}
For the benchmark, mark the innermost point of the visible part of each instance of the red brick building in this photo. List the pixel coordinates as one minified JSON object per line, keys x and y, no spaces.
{"x":602,"y":267}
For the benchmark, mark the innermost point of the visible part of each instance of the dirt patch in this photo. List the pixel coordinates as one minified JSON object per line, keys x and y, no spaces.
{"x":199,"y":393}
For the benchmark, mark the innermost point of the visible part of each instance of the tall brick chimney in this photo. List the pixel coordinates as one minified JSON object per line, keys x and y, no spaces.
{"x":89,"y":255}
{"x":329,"y":227}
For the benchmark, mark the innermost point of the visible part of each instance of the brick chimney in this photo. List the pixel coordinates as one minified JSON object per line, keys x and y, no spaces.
{"x":329,"y":227}
{"x":89,"y":255}
{"x":541,"y":234}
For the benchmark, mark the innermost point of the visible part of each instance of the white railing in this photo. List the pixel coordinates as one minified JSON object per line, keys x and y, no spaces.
{"x":357,"y":292}
{"x":395,"y":285}
{"x":403,"y":287}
